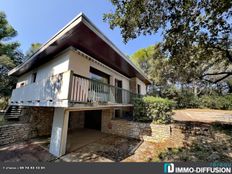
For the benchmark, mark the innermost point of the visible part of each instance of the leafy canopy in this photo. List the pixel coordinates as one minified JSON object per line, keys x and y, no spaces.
{"x":187,"y":26}
{"x":9,"y":56}
{"x":34,"y":47}
{"x":142,"y":58}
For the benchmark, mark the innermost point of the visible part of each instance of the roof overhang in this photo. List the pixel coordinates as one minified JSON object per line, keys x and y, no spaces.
{"x":82,"y":34}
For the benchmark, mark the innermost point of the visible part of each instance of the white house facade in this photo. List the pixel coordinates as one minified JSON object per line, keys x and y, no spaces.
{"x":78,"y":69}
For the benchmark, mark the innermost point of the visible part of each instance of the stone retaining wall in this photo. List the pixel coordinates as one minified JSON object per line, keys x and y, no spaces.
{"x":14,"y":132}
{"x":126,"y":128}
{"x":34,"y":122}
{"x":39,"y":118}
{"x":137,"y":130}
{"x":154,"y":132}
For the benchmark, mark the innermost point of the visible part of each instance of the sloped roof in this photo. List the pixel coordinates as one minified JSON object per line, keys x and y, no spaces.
{"x":82,"y":34}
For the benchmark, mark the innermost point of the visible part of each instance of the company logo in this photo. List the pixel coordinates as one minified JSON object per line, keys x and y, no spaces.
{"x":168,"y":167}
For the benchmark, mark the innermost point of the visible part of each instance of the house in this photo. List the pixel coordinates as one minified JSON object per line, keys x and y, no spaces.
{"x":79,"y":71}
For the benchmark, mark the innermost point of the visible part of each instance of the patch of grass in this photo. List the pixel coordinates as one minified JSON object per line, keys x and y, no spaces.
{"x":2,"y":121}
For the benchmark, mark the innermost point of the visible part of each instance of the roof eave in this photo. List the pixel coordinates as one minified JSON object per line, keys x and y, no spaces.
{"x":79,"y":18}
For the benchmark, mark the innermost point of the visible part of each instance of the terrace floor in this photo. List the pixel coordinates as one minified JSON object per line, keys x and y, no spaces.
{"x":83,"y":145}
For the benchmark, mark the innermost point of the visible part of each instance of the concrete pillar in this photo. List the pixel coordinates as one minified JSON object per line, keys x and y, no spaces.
{"x":107,"y":115}
{"x":59,"y":132}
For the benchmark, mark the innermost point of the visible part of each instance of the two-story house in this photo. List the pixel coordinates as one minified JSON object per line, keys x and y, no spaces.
{"x":78,"y":70}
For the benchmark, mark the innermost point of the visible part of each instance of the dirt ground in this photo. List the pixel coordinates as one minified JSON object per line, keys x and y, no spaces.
{"x":105,"y":148}
{"x":29,"y":151}
{"x":203,"y":115}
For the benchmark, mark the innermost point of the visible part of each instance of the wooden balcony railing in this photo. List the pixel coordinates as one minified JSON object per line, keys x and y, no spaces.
{"x":64,"y":88}
{"x":84,"y":90}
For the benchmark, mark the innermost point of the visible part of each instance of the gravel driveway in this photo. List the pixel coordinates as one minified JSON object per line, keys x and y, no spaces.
{"x":203,"y":115}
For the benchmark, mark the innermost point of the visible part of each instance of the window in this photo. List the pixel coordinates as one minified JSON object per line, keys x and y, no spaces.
{"x":117,"y":113}
{"x":99,"y":75}
{"x":138,"y":89}
{"x":34,"y":77}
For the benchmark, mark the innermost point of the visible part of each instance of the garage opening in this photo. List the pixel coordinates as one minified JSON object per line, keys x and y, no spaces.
{"x":93,"y":119}
{"x":84,"y":128}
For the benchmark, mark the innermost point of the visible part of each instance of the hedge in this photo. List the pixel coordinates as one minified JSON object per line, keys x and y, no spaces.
{"x":216,"y":102}
{"x":156,"y":109}
{"x":205,"y":101}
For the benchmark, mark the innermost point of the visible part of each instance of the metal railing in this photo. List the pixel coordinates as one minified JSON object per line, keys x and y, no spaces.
{"x":84,"y":90}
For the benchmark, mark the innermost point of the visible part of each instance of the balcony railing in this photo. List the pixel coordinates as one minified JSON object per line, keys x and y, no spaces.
{"x":84,"y":90}
{"x":62,"y":89}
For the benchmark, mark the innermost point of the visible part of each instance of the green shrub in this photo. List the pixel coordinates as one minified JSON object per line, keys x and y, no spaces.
{"x":187,"y":100}
{"x":154,"y":109}
{"x":216,"y":102}
{"x":170,"y":92}
{"x":3,"y":103}
{"x":229,"y":101}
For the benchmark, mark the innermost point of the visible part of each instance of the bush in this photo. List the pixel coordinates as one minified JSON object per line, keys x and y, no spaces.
{"x":3,"y":103}
{"x":229,"y":101}
{"x":187,"y":100}
{"x":170,"y":92}
{"x":216,"y":102}
{"x":154,"y":109}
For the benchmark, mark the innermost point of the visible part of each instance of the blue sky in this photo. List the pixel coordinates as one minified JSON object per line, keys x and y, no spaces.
{"x":37,"y":21}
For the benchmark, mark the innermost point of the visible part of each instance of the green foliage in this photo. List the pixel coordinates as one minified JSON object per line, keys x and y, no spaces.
{"x":34,"y":47}
{"x":154,"y":109}
{"x":170,"y":92}
{"x":216,"y":102}
{"x":197,"y":36}
{"x":184,"y":23}
{"x":142,"y":58}
{"x":187,"y":100}
{"x":3,"y":103}
{"x":9,"y":56}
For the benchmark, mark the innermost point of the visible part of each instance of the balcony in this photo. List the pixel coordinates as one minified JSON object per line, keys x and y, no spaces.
{"x":70,"y":90}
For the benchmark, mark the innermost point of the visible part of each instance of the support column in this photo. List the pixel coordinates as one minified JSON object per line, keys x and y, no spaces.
{"x":59,"y":132}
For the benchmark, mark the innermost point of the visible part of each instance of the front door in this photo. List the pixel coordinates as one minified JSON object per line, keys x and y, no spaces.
{"x":118,"y":92}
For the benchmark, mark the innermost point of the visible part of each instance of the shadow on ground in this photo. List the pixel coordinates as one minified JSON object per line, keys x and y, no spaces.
{"x":108,"y":149}
{"x":24,"y":152}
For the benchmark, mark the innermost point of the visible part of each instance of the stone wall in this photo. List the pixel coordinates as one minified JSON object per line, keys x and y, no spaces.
{"x":14,"y":132}
{"x":126,"y":128}
{"x":39,"y":118}
{"x":34,"y":122}
{"x":154,"y":132}
{"x":137,"y":130}
{"x":76,"y":120}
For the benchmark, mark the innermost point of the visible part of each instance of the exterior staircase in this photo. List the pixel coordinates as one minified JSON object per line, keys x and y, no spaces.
{"x":13,"y":112}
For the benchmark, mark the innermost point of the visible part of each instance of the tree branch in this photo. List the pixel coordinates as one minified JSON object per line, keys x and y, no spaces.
{"x":218,"y":80}
{"x":219,"y":73}
{"x":227,"y":52}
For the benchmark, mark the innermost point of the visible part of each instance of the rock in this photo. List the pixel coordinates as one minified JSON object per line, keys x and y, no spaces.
{"x":214,"y":156}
